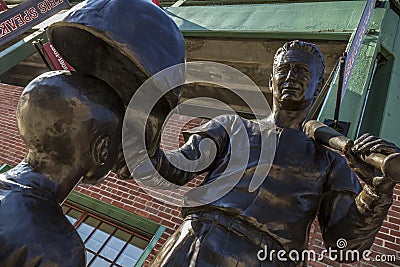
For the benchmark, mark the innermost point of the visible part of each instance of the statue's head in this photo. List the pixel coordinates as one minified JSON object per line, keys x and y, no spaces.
{"x":297,"y":76}
{"x":71,"y":125}
{"x":124,"y":43}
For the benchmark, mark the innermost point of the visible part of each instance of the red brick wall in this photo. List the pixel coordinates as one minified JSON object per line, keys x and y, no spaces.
{"x":127,"y":195}
{"x":12,"y":148}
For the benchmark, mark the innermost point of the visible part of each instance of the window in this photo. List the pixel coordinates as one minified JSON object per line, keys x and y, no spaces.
{"x":110,"y":242}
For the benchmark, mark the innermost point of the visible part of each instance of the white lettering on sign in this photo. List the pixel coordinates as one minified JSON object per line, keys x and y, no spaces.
{"x":47,"y":5}
{"x":59,"y":58}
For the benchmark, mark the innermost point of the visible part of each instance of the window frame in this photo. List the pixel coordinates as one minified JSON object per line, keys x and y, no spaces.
{"x":120,"y":217}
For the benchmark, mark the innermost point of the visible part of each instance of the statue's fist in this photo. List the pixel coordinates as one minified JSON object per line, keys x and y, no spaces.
{"x":363,"y":147}
{"x":367,"y":144}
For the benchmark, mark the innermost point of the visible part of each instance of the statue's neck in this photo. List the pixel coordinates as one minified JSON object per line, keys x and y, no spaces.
{"x":24,"y":175}
{"x":288,"y":119}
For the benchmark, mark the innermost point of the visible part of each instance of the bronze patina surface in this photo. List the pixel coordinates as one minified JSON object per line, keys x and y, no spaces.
{"x":71,"y":131}
{"x":306,"y":180}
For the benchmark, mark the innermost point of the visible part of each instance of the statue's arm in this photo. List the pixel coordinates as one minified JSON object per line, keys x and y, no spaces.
{"x":343,"y":216}
{"x":181,"y":165}
{"x":204,"y":145}
{"x":350,"y":211}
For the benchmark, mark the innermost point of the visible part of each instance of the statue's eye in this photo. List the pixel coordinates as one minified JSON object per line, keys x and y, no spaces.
{"x":283,"y":69}
{"x":302,"y":69}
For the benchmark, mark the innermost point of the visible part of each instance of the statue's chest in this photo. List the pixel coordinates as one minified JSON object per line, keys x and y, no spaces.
{"x":298,"y":165}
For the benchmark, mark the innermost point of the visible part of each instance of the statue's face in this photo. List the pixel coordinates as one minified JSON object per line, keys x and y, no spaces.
{"x":294,"y":80}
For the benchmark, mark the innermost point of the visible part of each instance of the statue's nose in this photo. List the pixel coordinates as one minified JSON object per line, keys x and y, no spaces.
{"x":291,"y":75}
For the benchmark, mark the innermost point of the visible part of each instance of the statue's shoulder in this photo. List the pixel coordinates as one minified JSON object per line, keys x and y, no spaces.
{"x":217,"y":126}
{"x":331,"y":154}
{"x":52,"y":242}
{"x":11,"y":256}
{"x":24,"y":256}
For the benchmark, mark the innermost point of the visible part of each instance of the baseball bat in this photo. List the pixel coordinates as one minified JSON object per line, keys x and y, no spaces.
{"x":389,"y":165}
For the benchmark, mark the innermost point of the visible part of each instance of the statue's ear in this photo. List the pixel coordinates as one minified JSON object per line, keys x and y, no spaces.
{"x":100,"y":149}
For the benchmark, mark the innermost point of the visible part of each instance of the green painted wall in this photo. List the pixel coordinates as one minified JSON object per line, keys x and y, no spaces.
{"x":382,"y":105}
{"x":390,"y":40}
{"x":354,"y":98}
{"x":20,"y":51}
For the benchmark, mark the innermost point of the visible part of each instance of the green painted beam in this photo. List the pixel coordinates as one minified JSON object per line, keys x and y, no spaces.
{"x":115,"y":213}
{"x":19,"y":51}
{"x":317,"y":20}
{"x":150,"y":246}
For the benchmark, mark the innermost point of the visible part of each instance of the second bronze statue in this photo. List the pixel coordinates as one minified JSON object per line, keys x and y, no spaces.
{"x":306,"y":180}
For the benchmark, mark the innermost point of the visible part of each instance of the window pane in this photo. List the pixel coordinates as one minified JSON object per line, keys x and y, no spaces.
{"x":99,"y":237}
{"x":105,"y":227}
{"x":87,"y":227}
{"x":115,"y":244}
{"x":71,"y":219}
{"x":64,"y":208}
{"x":129,"y":256}
{"x":89,"y":256}
{"x":122,"y":235}
{"x":73,"y":215}
{"x":99,"y":262}
{"x":139,"y":242}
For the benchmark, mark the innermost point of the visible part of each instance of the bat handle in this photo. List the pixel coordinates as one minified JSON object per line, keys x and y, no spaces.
{"x":389,"y":165}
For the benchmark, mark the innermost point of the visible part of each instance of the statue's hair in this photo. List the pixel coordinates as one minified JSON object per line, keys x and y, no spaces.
{"x":67,"y":96}
{"x":309,"y":48}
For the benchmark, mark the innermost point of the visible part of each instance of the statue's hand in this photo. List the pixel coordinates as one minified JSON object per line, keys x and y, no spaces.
{"x":363,"y":146}
{"x":368,"y":143}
